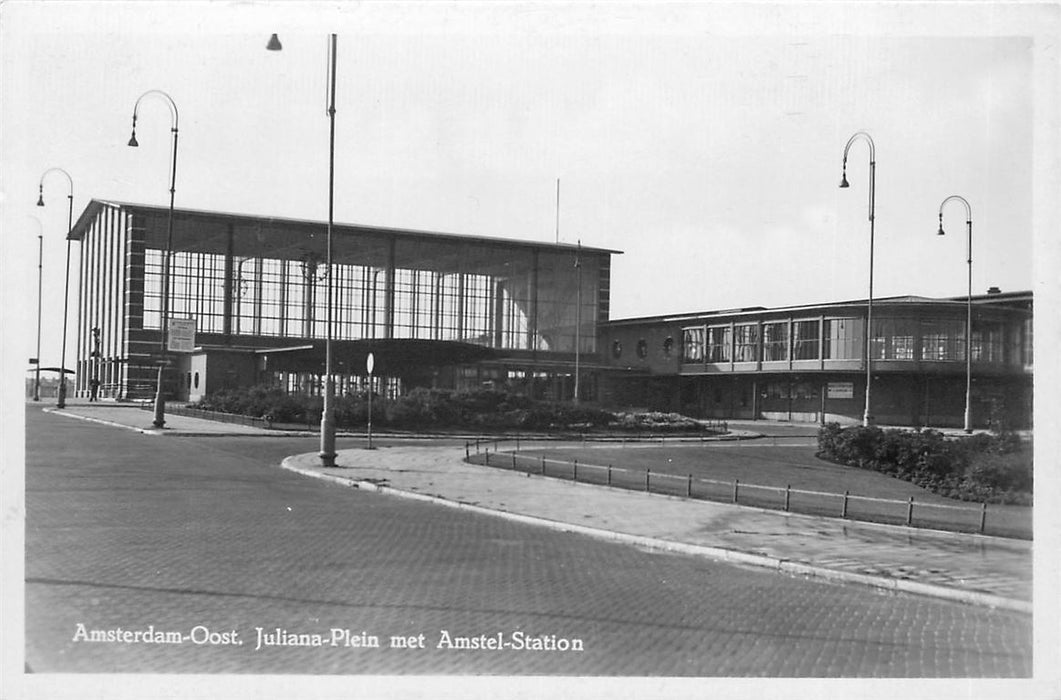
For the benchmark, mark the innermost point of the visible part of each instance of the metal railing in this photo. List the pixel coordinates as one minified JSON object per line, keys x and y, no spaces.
{"x":917,"y":514}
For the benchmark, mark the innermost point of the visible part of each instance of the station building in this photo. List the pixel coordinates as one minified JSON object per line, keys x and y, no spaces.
{"x":434,"y":309}
{"x":808,"y":363}
{"x":460,"y":312}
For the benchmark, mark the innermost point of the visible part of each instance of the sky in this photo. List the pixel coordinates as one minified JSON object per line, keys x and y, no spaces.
{"x":703,"y":140}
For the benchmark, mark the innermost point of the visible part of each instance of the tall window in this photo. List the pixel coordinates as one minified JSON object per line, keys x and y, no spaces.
{"x":775,"y":341}
{"x":693,"y":344}
{"x":987,"y":343}
{"x":719,"y":344}
{"x":805,"y":340}
{"x":843,"y":338}
{"x":894,"y":339}
{"x":746,"y":343}
{"x":942,"y":340}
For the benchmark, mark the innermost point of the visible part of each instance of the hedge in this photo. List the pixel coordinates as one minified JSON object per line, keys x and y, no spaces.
{"x":991,"y":468}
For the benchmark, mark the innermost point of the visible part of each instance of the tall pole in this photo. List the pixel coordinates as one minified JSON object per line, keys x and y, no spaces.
{"x":867,"y":416}
{"x":327,"y":442}
{"x":160,"y":403}
{"x":61,"y":401}
{"x":578,"y":319}
{"x":327,"y":447}
{"x":40,"y":288}
{"x":968,"y":306}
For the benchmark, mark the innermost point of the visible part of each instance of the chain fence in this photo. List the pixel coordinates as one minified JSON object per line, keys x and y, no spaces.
{"x":911,"y":513}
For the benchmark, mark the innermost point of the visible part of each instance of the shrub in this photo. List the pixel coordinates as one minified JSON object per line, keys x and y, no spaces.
{"x":983,"y":467}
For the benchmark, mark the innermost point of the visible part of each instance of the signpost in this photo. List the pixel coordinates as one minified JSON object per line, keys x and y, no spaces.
{"x":370,"y":363}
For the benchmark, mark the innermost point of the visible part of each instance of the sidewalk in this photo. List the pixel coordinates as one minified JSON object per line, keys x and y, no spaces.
{"x":962,"y":567}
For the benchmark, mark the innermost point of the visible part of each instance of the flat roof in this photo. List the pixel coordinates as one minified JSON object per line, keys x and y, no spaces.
{"x":95,"y":205}
{"x":1003,"y":298}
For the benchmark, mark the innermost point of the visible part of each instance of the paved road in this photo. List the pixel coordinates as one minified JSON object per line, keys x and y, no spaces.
{"x":209,"y":539}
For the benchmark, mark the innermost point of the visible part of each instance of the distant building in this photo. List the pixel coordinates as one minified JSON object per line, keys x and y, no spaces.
{"x":807,"y":363}
{"x":436,"y":310}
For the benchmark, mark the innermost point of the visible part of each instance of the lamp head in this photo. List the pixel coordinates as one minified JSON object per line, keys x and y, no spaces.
{"x":132,"y":140}
{"x":40,"y":201}
{"x":843,"y":181}
{"x":940,"y":232}
{"x":274,"y":43}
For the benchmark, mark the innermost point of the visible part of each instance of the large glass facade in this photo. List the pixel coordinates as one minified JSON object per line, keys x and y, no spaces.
{"x":894,"y":338}
{"x":523,"y":307}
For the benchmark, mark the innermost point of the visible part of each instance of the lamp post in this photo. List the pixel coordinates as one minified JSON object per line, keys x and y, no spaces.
{"x":40,"y":280}
{"x":61,"y":402}
{"x":867,"y":416}
{"x":160,"y":404}
{"x":968,"y":306}
{"x":578,"y":318}
{"x":327,"y":442}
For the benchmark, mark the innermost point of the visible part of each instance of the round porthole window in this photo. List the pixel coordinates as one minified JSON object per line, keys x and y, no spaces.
{"x":642,"y":348}
{"x":668,"y":346}
{"x":617,"y":349}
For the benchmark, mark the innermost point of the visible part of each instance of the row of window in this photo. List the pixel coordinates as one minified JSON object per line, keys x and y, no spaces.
{"x":273,"y":297}
{"x":893,"y":339}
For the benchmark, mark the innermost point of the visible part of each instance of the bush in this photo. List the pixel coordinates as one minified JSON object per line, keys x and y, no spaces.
{"x":983,"y":467}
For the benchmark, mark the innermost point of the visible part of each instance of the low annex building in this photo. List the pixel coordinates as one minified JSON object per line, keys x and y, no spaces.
{"x":808,"y":363}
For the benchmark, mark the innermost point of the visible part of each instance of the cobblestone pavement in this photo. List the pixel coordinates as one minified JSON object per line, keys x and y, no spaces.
{"x":208,"y":539}
{"x":965,"y":567}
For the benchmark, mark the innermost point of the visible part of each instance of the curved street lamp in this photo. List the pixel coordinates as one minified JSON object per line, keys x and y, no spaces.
{"x":61,"y":402}
{"x":968,"y":306}
{"x":327,"y":443}
{"x":160,"y":404}
{"x":40,"y":287}
{"x":867,"y":416}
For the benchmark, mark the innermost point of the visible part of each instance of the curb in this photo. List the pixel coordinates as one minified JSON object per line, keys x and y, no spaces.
{"x":731,"y":556}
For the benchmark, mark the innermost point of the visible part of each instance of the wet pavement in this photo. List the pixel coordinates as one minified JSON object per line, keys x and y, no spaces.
{"x":963,"y":567}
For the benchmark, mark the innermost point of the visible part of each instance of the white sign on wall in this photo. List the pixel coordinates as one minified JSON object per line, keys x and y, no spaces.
{"x":181,"y":335}
{"x":841,"y":390}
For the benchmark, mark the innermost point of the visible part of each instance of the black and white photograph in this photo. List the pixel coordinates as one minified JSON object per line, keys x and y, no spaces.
{"x":529,"y":349}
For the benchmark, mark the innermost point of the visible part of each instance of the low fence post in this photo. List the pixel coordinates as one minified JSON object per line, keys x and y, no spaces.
{"x":609,"y":475}
{"x":574,"y":475}
{"x":689,"y":487}
{"x":843,"y":511}
{"x":513,"y":460}
{"x":648,"y":477}
{"x":983,"y":517}
{"x":467,"y":450}
{"x":517,"y":443}
{"x":543,"y":465}
{"x":488,"y":457}
{"x":910,"y":512}
{"x":736,"y":485}
{"x":788,"y":494}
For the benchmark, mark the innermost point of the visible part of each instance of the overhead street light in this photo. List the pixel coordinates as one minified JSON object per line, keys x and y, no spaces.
{"x":867,"y":416}
{"x":160,"y":404}
{"x":40,"y":287}
{"x":327,"y":441}
{"x":968,"y":306}
{"x":61,"y":402}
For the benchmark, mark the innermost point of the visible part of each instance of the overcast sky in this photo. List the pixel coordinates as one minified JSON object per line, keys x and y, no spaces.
{"x":702,"y":140}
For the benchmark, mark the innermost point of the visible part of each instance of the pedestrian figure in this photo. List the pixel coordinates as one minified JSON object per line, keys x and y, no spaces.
{"x":94,"y":387}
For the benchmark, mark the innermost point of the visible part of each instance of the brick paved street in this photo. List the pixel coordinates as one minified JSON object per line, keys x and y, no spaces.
{"x":197,"y":535}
